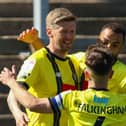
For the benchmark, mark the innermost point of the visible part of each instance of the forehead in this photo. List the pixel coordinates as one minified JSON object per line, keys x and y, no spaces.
{"x":68,"y":25}
{"x":108,"y":34}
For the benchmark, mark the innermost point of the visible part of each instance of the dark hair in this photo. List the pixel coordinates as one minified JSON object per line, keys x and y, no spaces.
{"x":99,"y":59}
{"x":115,"y":27}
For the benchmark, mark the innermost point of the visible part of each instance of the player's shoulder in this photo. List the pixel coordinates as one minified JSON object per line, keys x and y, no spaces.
{"x":119,"y":68}
{"x":78,"y":55}
{"x":119,"y":65}
{"x":41,"y":53}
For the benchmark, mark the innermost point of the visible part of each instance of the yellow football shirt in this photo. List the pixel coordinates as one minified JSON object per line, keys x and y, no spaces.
{"x":92,"y":107}
{"x":37,"y":72}
{"x":118,"y":81}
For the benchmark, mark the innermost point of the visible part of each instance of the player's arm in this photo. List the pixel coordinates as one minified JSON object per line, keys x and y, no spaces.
{"x":41,"y":105}
{"x":29,"y":101}
{"x":14,"y":106}
{"x":30,"y":36}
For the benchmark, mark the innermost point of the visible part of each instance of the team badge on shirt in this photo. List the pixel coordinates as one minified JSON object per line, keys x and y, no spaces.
{"x":27,"y":68}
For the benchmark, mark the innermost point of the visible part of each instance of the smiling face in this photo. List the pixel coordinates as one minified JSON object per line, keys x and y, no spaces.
{"x":113,"y":41}
{"x":62,"y":36}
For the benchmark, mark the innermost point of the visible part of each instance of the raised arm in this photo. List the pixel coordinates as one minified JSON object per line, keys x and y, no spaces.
{"x":40,"y":105}
{"x":30,"y":36}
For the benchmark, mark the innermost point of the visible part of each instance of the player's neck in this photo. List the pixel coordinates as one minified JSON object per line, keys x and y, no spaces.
{"x":97,"y":84}
{"x":59,"y":53}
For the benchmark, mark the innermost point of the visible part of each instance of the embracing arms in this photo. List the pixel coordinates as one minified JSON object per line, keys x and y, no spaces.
{"x":30,"y":36}
{"x":41,"y":105}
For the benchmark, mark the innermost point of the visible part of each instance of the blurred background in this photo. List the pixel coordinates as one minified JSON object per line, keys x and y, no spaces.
{"x":18,"y":15}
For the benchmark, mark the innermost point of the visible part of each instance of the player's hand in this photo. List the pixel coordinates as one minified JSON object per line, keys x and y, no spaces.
{"x":29,"y":35}
{"x":6,"y":75}
{"x":21,"y":119}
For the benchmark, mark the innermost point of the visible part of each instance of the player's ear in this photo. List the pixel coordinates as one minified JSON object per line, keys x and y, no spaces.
{"x":49,"y":32}
{"x":87,"y":74}
{"x":111,"y":74}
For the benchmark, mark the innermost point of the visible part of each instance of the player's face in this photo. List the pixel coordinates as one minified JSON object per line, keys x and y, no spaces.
{"x":64,"y":35}
{"x":112,"y":40}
